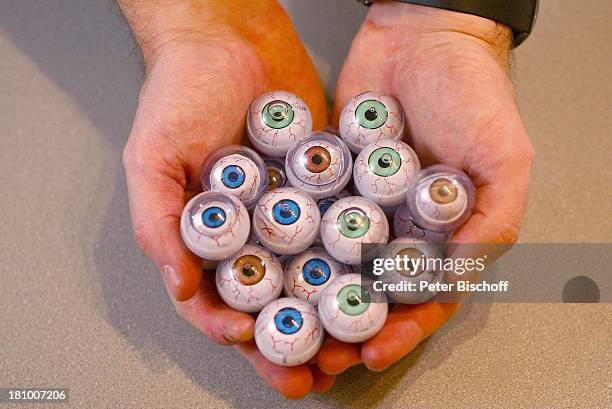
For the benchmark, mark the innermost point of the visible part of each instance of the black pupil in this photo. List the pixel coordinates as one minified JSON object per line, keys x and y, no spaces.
{"x":353,"y":224}
{"x":288,"y":321}
{"x":317,"y":159}
{"x":248,"y":271}
{"x":285,"y":210}
{"x":213,"y":217}
{"x":233,"y":176}
{"x":371,"y":114}
{"x":317,"y":273}
{"x":384,"y":161}
{"x":278,"y":114}
{"x":353,"y":299}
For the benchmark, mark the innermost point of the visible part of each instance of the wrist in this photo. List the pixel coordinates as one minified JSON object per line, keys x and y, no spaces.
{"x":161,"y":23}
{"x":415,"y":21}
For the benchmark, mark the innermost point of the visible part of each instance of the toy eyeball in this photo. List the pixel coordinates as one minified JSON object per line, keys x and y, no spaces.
{"x":276,"y":120}
{"x":351,"y":310}
{"x":319,"y":164}
{"x":419,"y":262}
{"x":286,"y":221}
{"x":276,"y":173}
{"x":326,"y":202}
{"x":370,"y":117}
{"x":288,"y":332}
{"x":349,"y":224}
{"x":403,"y":226}
{"x":441,"y":199}
{"x":308,"y":273}
{"x":385,"y":170}
{"x":249,"y":279}
{"x":236,"y":170}
{"x":214,"y":225}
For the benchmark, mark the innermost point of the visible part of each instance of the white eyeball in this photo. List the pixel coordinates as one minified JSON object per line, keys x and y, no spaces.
{"x":351,"y":310}
{"x":215,"y":225}
{"x":349,"y":224}
{"x":385,"y":170}
{"x":419,"y":262}
{"x":308,"y":273}
{"x":288,"y":332}
{"x":235,"y":170}
{"x":286,"y":221}
{"x":319,"y":165}
{"x":277,"y":120}
{"x":441,"y":199}
{"x":249,"y":279}
{"x":370,"y":117}
{"x":276,"y":173}
{"x":404,"y":226}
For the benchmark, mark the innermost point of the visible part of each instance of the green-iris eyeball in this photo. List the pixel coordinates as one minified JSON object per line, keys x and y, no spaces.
{"x":277,"y":114}
{"x":371,"y":114}
{"x":353,"y":299}
{"x":385,"y":162}
{"x":353,"y":223}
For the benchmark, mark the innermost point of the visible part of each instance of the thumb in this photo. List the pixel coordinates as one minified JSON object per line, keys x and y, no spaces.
{"x":157,"y":198}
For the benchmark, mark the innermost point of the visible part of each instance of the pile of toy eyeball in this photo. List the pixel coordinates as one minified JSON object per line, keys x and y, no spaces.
{"x":255,"y":211}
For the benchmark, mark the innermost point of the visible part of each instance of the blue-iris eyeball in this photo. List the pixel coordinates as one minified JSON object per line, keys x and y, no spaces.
{"x":316,"y":271}
{"x":233,"y":176}
{"x":236,"y":170}
{"x":308,"y":273}
{"x":286,"y":221}
{"x":288,"y":320}
{"x":288,"y":331}
{"x":213,"y":217}
{"x":215,"y":225}
{"x":286,"y":212}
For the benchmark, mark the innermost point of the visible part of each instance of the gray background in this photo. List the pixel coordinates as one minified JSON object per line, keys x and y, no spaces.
{"x":81,"y":308}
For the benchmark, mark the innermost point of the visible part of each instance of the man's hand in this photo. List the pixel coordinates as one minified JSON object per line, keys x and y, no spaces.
{"x":205,"y":63}
{"x":450,"y":73}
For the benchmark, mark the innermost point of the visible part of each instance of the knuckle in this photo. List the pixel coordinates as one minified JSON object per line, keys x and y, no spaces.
{"x":527,"y":152}
{"x":507,"y":233}
{"x":142,"y":238}
{"x":180,"y":311}
{"x":126,"y":155}
{"x":133,"y":156}
{"x":530,"y":153}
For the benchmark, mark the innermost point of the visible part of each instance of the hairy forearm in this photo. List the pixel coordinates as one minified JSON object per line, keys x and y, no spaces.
{"x":416,"y":20}
{"x":156,"y":23}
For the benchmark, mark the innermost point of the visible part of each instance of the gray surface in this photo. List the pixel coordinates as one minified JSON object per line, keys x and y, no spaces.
{"x":81,"y":308}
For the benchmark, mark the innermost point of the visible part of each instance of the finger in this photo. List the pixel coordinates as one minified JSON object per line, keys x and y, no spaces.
{"x":157,"y":198}
{"x":501,"y":199}
{"x":336,"y":356}
{"x":321,"y":382}
{"x":405,"y":328}
{"x":209,"y":314}
{"x":292,"y":382}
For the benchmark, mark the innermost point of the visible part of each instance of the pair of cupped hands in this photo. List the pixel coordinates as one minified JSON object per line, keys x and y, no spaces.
{"x":207,"y":61}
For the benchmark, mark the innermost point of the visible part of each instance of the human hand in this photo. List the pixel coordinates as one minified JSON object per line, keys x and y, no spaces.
{"x":449,"y":71}
{"x":205,"y":63}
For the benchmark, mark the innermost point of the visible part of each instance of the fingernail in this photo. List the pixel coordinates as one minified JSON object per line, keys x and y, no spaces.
{"x":171,"y":280}
{"x":375,"y":369}
{"x":239,"y":331}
